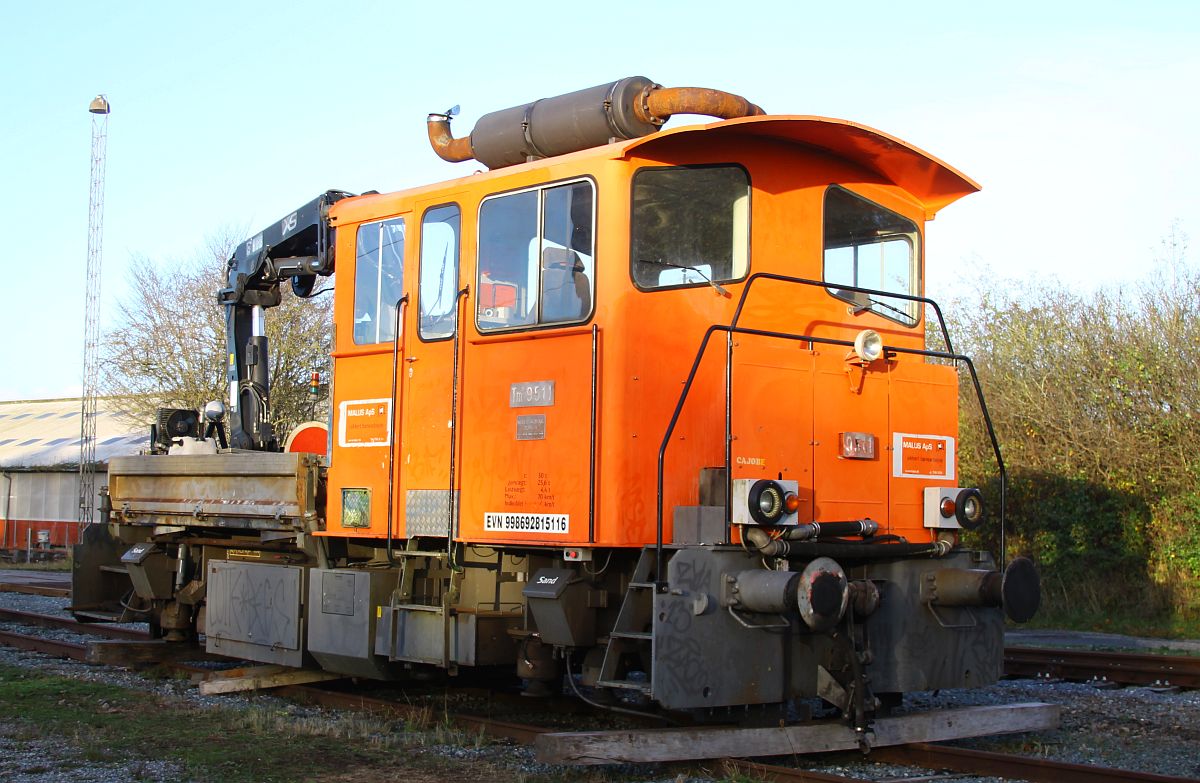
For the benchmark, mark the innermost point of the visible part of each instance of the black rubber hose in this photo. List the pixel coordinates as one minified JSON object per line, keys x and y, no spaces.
{"x":809,"y":549}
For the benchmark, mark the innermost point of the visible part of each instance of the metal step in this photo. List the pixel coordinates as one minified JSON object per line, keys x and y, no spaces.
{"x":629,"y":685}
{"x":627,"y":636}
{"x":98,"y":616}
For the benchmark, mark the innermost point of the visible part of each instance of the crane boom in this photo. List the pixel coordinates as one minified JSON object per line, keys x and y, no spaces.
{"x":298,"y":247}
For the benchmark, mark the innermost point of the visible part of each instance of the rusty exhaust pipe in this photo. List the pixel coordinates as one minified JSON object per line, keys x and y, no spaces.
{"x":628,"y":108}
{"x":442,"y":140}
{"x":662,"y":103}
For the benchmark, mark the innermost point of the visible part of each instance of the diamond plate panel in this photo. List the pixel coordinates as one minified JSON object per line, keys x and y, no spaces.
{"x":425,"y":512}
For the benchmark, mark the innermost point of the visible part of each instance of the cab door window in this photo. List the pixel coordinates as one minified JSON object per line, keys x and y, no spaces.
{"x":439,"y":272}
{"x":536,"y":257}
{"x":378,"y":280}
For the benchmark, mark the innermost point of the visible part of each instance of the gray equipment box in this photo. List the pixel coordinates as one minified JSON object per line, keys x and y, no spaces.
{"x":343,"y":607}
{"x":150,"y":570}
{"x":420,"y":634}
{"x":698,"y":525}
{"x":255,"y":611}
{"x":558,"y":599}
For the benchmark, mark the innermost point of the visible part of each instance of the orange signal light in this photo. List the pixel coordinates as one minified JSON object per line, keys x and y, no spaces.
{"x":947,"y":507}
{"x":791,"y":503}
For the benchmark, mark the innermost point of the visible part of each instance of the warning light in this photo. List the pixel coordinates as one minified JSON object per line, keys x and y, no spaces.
{"x":791,"y":503}
{"x":314,"y":384}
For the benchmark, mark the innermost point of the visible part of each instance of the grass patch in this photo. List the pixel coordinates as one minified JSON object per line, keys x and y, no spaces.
{"x":1115,"y":606}
{"x":105,"y":723}
{"x":62,"y":564}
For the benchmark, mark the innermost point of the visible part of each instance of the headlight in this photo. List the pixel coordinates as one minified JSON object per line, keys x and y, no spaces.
{"x":868,"y":345}
{"x":968,"y":508}
{"x":769,"y":503}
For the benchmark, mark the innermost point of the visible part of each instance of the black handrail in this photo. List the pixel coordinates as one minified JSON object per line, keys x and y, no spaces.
{"x":733,"y":329}
{"x":451,"y":505}
{"x":393,"y":412}
{"x":592,"y":434}
{"x":825,"y":284}
{"x":937,"y":309}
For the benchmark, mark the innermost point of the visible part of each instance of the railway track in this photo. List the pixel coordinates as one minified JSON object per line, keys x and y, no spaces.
{"x":961,"y":760}
{"x":70,"y":624}
{"x":57,"y":647}
{"x":1121,"y":668}
{"x":923,"y":755}
{"x":34,"y":583}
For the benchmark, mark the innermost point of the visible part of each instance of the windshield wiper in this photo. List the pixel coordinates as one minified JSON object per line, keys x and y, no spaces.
{"x":716,"y":286}
{"x":861,"y":302}
{"x":904,"y":313}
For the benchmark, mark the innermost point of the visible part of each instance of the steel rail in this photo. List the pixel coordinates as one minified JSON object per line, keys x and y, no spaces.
{"x":1036,"y":770}
{"x":31,"y":588}
{"x":971,"y":762}
{"x":70,"y":624}
{"x":72,"y":650}
{"x":1122,"y":668}
{"x":778,"y":774}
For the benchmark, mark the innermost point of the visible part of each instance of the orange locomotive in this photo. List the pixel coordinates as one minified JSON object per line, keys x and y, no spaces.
{"x":651,"y":410}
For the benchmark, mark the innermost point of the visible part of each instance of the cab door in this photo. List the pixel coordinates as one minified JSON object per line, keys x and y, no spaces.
{"x":427,"y":375}
{"x":529,"y":394}
{"x":364,"y":423}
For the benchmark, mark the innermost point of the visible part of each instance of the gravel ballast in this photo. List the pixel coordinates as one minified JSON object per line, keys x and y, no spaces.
{"x":1129,"y":728}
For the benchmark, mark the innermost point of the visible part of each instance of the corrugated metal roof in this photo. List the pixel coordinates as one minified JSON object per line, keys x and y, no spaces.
{"x":41,"y":434}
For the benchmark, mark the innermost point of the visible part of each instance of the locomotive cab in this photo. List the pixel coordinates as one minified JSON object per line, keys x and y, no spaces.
{"x":643,"y":412}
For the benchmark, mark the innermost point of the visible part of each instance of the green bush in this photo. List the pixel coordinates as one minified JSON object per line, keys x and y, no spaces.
{"x":1096,"y":404}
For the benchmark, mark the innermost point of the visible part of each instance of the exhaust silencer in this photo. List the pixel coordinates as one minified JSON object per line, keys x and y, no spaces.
{"x":628,"y":108}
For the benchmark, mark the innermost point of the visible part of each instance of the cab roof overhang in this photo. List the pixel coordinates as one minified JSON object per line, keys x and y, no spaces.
{"x":930,"y":181}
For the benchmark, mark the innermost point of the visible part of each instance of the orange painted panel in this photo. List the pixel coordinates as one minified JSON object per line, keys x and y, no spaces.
{"x":846,"y":399}
{"x":924,"y":412}
{"x":773,"y":414}
{"x":361,"y":437}
{"x":526,"y":439}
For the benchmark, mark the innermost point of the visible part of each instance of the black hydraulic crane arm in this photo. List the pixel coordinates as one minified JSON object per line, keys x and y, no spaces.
{"x":299,"y":248}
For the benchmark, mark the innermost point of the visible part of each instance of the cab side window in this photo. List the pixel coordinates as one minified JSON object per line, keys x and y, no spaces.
{"x":868,"y":246}
{"x":439,"y":272}
{"x":536,"y":257}
{"x":378,"y":280}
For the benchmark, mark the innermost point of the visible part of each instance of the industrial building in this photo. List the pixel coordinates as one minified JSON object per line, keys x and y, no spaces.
{"x":39,"y":468}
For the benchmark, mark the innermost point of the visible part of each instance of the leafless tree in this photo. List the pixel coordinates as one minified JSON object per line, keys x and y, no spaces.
{"x":168,"y":346}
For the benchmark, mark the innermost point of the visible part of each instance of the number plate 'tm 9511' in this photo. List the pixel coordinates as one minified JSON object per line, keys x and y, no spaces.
{"x":531,"y":394}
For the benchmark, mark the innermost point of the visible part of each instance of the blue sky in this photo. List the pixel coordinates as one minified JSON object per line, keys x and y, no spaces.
{"x":1079,"y":119}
